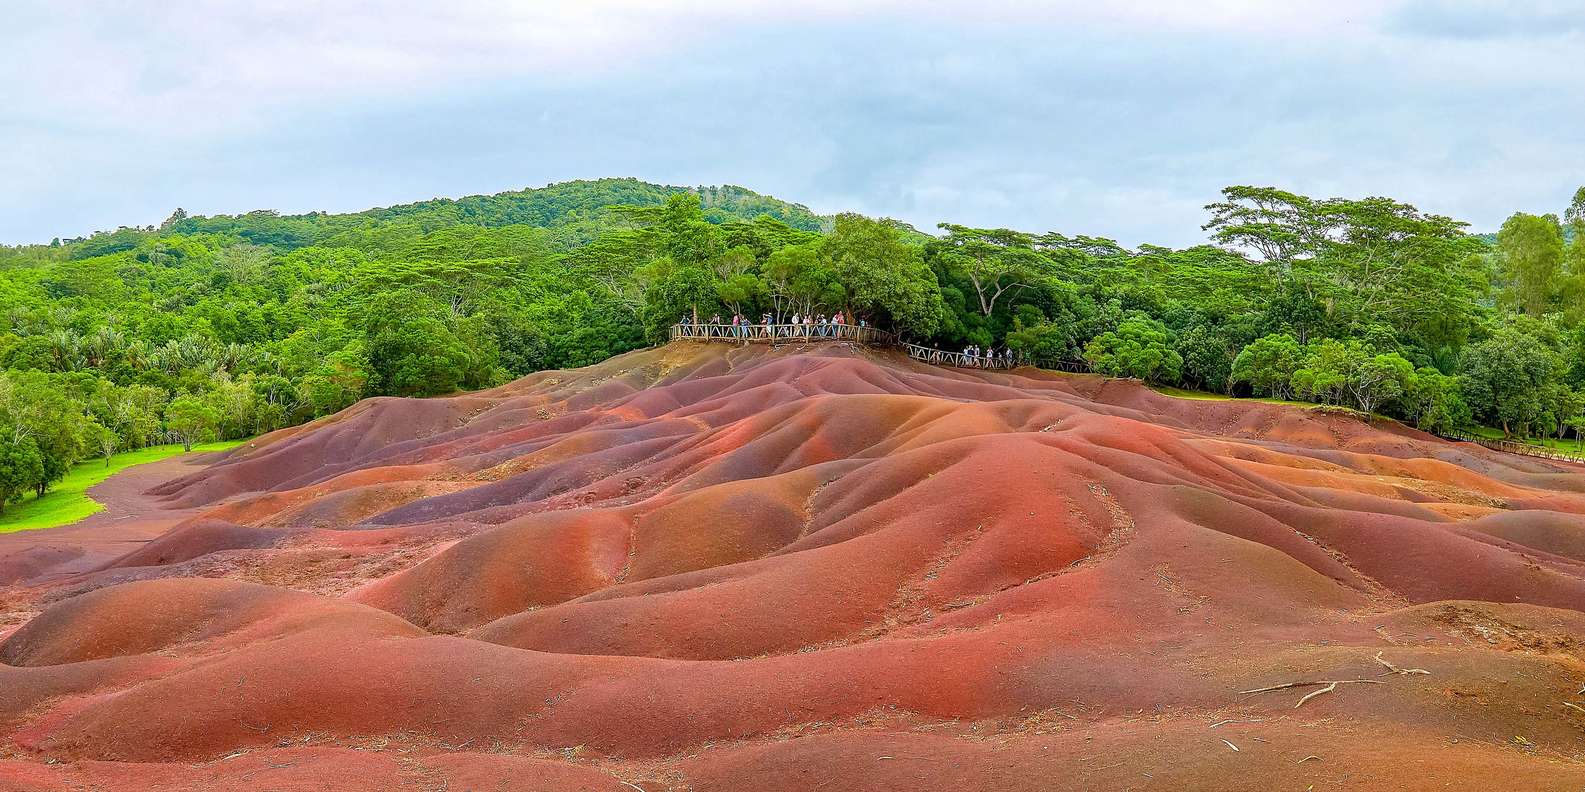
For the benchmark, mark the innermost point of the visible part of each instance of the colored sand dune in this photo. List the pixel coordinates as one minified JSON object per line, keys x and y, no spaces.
{"x":711,"y":568}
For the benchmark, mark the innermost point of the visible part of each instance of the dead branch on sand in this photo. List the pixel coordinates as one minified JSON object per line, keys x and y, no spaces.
{"x":1392,"y":669}
{"x":1329,"y":685}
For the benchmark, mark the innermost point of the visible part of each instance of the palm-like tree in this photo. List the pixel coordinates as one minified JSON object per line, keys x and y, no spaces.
{"x":103,"y":343}
{"x":65,"y":349}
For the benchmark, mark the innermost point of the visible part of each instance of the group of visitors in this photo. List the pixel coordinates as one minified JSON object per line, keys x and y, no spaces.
{"x":822,"y":326}
{"x":973,"y":355}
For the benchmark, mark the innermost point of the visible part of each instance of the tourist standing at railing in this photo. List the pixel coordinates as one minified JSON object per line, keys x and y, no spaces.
{"x":837,"y":318}
{"x":809,"y":325}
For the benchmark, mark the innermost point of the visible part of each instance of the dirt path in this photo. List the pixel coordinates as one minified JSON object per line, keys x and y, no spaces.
{"x":129,"y":519}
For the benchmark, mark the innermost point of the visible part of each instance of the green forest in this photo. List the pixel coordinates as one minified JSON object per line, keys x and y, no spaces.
{"x":213,"y":328}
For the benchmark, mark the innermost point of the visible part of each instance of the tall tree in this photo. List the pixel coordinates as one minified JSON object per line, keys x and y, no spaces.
{"x":1278,"y":225}
{"x":996,"y":261}
{"x":190,"y":420}
{"x":882,"y":275}
{"x":21,"y":467}
{"x":1507,"y":377}
{"x":1574,"y":264}
{"x":1530,"y":251}
{"x":1139,"y":348}
{"x":1268,"y":364}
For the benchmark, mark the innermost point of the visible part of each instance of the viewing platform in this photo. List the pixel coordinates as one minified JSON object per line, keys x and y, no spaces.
{"x":816,"y":333}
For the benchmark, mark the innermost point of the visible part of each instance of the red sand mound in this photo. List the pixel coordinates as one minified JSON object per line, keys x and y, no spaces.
{"x":713,"y":568}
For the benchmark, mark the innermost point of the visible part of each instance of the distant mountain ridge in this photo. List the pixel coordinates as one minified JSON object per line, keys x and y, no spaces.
{"x":577,"y":208}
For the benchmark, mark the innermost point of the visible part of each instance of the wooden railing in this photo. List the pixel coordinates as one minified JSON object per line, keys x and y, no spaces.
{"x":782,"y":333}
{"x":941,"y":357}
{"x":1512,"y":447}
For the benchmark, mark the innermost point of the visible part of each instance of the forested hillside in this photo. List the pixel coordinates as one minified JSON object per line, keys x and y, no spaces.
{"x":229,"y":326}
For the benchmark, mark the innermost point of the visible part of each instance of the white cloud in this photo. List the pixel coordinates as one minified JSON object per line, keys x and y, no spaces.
{"x":1115,"y":118}
{"x":195,"y":65}
{"x":1486,"y":19}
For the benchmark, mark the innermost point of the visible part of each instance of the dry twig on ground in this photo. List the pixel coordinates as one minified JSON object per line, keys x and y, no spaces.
{"x":1329,"y":685}
{"x":1392,"y":669}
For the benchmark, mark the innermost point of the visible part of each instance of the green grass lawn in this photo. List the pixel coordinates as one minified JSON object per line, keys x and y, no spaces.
{"x":68,"y":501}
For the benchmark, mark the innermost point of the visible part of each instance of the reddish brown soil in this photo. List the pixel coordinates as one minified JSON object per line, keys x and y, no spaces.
{"x":710,"y":568}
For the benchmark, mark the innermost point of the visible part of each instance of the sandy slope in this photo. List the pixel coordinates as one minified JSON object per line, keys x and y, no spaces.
{"x":701,"y":567}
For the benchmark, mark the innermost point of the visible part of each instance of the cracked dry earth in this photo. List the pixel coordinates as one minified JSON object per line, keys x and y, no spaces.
{"x":702,"y":567}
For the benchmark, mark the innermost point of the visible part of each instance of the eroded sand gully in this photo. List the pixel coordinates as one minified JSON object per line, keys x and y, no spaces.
{"x":701,"y":567}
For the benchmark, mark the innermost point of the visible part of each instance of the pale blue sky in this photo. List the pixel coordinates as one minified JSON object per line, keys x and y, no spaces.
{"x":1120,"y":121}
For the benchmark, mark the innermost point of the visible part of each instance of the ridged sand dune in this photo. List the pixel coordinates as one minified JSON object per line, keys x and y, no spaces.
{"x":709,"y":568}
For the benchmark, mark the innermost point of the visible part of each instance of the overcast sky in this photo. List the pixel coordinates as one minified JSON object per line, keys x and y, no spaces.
{"x":1120,"y":121}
